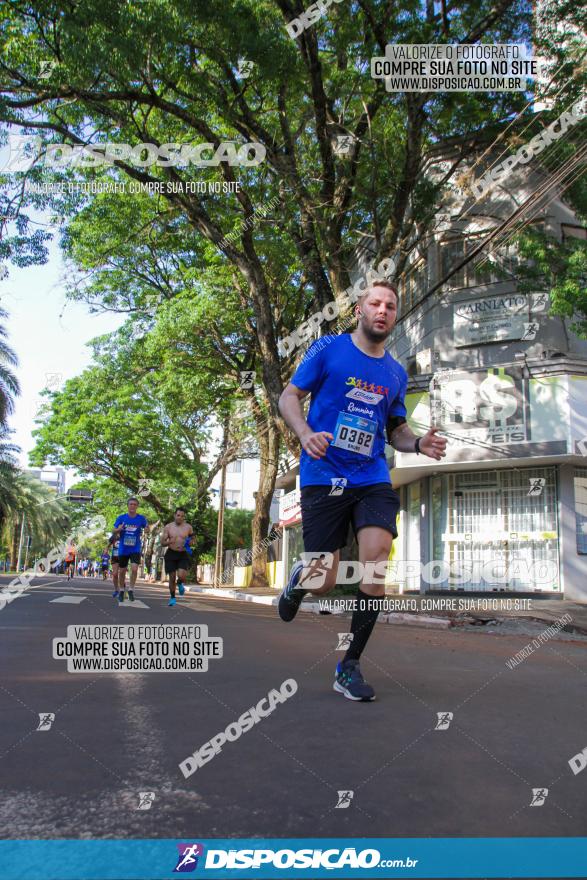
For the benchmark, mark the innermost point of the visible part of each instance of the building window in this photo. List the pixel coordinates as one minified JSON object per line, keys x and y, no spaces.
{"x":414,"y":285}
{"x":497,"y":265}
{"x":232,"y":497}
{"x":581,"y":509}
{"x":234,"y":467}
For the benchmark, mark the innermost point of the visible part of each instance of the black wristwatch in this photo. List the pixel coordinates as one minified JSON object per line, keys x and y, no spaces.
{"x":417,"y":446}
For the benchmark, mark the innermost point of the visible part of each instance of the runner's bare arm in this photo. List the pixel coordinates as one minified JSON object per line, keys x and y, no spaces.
{"x":403,"y":439}
{"x":290,"y":407}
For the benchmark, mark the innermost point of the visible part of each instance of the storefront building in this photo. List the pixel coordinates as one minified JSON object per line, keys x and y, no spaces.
{"x":506,"y":383}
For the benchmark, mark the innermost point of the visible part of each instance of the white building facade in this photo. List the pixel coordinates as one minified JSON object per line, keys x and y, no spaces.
{"x":506,"y":510}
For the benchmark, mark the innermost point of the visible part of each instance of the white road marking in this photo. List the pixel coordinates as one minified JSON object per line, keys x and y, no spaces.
{"x":136,"y":604}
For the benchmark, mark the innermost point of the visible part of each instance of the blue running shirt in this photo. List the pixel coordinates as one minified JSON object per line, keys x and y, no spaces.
{"x":353,"y":395}
{"x":130,"y":537}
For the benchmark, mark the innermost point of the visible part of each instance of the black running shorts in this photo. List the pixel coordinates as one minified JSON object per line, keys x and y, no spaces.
{"x":135,"y":558}
{"x":175,"y":559}
{"x":326,"y":517}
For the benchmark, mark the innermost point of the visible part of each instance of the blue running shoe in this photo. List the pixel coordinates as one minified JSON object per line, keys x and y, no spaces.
{"x":115,"y":594}
{"x":291,"y":597}
{"x":121,"y":596}
{"x":181,"y":588}
{"x":171,"y":601}
{"x":350,"y":682}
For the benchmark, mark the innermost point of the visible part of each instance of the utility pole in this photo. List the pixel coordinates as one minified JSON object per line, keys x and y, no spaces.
{"x":20,"y":543}
{"x":220,"y":529}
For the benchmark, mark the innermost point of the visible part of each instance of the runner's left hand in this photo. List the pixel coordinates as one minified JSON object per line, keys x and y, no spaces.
{"x":432,"y":445}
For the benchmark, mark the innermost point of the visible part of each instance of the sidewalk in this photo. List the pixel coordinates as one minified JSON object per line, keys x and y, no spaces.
{"x":439,"y":612}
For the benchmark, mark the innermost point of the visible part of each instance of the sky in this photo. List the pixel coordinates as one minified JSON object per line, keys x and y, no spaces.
{"x":49,"y":336}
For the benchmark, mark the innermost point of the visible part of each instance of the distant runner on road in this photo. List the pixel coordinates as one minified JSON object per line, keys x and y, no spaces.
{"x":176,"y":535}
{"x":105,"y":564}
{"x":70,"y":562}
{"x":129,"y":527}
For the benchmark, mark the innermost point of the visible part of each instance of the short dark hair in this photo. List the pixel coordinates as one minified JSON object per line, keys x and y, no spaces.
{"x":132,"y":498}
{"x":180,"y":508}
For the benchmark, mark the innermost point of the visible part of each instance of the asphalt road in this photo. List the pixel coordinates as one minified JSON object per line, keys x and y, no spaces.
{"x":116,"y":735}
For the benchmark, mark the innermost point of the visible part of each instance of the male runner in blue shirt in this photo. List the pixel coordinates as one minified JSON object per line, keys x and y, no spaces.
{"x":128,"y":527}
{"x":357,"y":400}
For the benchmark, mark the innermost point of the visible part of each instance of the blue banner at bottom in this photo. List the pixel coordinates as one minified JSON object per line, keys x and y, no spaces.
{"x":285,"y":858}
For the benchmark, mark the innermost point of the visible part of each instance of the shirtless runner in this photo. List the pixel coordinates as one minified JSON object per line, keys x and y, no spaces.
{"x":177,"y":559}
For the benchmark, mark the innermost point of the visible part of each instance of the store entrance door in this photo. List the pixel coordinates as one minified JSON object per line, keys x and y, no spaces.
{"x":497,"y":530}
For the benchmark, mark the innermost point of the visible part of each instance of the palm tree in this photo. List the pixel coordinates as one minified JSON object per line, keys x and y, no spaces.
{"x":47,"y":514}
{"x":8,"y":474}
{"x":9,"y":387}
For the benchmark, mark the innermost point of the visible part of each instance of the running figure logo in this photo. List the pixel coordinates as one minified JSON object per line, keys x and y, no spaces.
{"x":530,"y":330}
{"x":444,"y":719}
{"x":53,"y":381}
{"x":189,"y":854}
{"x":537,"y":484}
{"x":146,"y":799}
{"x":343,"y":144}
{"x":338,"y":485}
{"x":344,"y":641}
{"x":47,"y":68}
{"x":539,"y":795}
{"x":144,"y":487}
{"x":244,"y":69}
{"x":247,"y":379}
{"x":46,"y":719}
{"x":344,"y":800}
{"x":21,"y":150}
{"x":316,"y":567}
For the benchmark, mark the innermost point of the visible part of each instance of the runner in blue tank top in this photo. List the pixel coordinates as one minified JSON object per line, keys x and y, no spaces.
{"x":357,"y":401}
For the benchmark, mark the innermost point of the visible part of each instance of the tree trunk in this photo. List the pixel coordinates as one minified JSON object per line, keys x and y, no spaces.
{"x":150,"y":544}
{"x":260,"y":525}
{"x":15,"y":541}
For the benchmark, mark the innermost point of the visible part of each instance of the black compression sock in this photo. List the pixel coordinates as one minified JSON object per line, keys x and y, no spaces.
{"x":362,"y":623}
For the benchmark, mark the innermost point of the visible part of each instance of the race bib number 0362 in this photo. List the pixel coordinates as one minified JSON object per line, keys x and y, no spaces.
{"x":354,"y":434}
